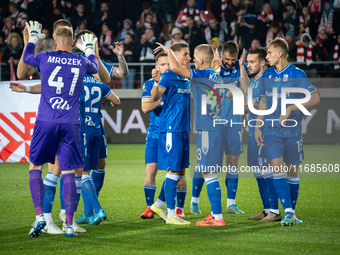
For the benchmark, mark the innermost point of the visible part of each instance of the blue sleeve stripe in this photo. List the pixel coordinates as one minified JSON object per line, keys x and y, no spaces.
{"x":146,"y":96}
{"x":162,"y":86}
{"x":108,"y":94}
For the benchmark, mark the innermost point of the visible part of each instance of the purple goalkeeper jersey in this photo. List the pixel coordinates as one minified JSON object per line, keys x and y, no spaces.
{"x":62,"y":75}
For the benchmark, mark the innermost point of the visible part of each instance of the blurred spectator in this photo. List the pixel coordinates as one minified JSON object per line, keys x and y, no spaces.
{"x":165,"y":34}
{"x":144,"y":49}
{"x":214,"y":30}
{"x":336,"y":56}
{"x":31,"y":7}
{"x":80,"y":16}
{"x":336,"y":17}
{"x":176,"y":34}
{"x":192,"y":34}
{"x":255,"y":44}
{"x":129,"y":50}
{"x":274,"y":32}
{"x":304,"y":20}
{"x":47,"y":44}
{"x":69,"y":9}
{"x":126,"y":30}
{"x":245,"y":28}
{"x":266,"y":15}
{"x":53,"y":16}
{"x":191,"y":9}
{"x":143,"y":17}
{"x":3,"y":44}
{"x":314,"y":6}
{"x":148,"y":23}
{"x":290,"y":21}
{"x":233,"y":11}
{"x":327,"y":17}
{"x":10,"y":27}
{"x":215,"y":43}
{"x":306,"y":50}
{"x":82,"y":26}
{"x":13,"y":53}
{"x":105,"y":40}
{"x":320,"y":40}
{"x":164,"y":7}
{"x":19,"y":17}
{"x":104,"y":16}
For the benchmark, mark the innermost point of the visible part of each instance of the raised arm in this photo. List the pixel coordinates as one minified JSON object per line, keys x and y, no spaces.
{"x":175,"y":66}
{"x":24,"y":70}
{"x":102,"y":75}
{"x":156,"y":92}
{"x":244,"y":80}
{"x":122,"y":71}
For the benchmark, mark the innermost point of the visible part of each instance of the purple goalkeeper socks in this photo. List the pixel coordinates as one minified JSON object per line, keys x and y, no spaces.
{"x":37,"y":190}
{"x":69,"y":195}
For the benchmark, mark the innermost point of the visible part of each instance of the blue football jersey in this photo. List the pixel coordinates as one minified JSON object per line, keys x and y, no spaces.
{"x":230,"y":76}
{"x":254,"y":85}
{"x":203,"y":84}
{"x":175,"y":116}
{"x":90,"y":101}
{"x":153,"y":129}
{"x":290,"y":76}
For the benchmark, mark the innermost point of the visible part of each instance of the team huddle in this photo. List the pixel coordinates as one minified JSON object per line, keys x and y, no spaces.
{"x":69,"y":135}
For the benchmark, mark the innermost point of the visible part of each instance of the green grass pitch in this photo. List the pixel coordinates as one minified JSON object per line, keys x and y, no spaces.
{"x":122,"y":197}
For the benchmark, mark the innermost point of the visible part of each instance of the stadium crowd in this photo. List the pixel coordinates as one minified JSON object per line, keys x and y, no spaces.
{"x":311,"y":27}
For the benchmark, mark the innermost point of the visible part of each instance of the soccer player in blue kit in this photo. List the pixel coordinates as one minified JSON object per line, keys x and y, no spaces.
{"x":57,"y":126}
{"x":232,"y":71}
{"x":256,"y":155}
{"x":282,"y":132}
{"x":92,"y":136}
{"x":174,"y":125}
{"x":151,"y":147}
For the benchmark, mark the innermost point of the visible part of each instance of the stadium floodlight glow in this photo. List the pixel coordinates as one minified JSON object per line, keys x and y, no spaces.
{"x":238,"y":100}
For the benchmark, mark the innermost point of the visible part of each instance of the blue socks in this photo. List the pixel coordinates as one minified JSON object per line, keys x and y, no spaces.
{"x":88,"y":191}
{"x":283,"y":191}
{"x":272,"y":193}
{"x":214,"y":194}
{"x":170,"y":187}
{"x":98,"y":179}
{"x":181,"y":194}
{"x":197,"y":184}
{"x":261,"y":183}
{"x":50,"y":184}
{"x":149,"y":191}
{"x":294,"y":184}
{"x":231,"y":182}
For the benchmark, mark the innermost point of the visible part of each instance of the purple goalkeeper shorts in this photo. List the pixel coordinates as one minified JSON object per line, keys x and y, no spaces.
{"x":61,"y":139}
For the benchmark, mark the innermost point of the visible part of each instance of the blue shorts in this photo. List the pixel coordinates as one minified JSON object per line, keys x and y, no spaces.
{"x":103,"y":144}
{"x":256,"y":154}
{"x":173,"y":151}
{"x":90,"y":151}
{"x":232,"y":137}
{"x":290,"y":148}
{"x":61,"y":139}
{"x":209,"y":152}
{"x":151,"y":149}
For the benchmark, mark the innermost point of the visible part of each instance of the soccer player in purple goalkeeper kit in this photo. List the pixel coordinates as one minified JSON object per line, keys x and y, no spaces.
{"x":57,"y":129}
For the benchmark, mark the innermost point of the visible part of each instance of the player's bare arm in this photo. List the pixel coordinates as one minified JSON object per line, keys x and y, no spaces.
{"x":20,"y":88}
{"x":102,"y":75}
{"x":175,"y":66}
{"x":314,"y":100}
{"x":216,"y":63}
{"x":258,"y":133}
{"x":24,"y":70}
{"x":244,"y":80}
{"x":122,"y":71}
{"x":113,"y":99}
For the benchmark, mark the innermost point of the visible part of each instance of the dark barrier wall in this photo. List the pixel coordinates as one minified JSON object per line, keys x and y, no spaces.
{"x":128,"y":124}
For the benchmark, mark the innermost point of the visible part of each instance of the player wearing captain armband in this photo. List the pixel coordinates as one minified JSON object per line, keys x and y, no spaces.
{"x":57,"y":130}
{"x":282,"y":130}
